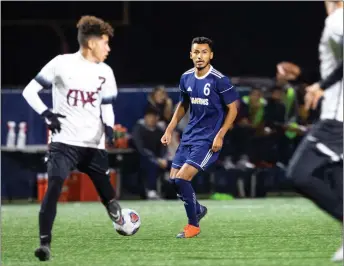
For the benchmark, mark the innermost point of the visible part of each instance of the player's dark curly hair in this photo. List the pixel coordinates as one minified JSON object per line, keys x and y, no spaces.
{"x":203,"y":40}
{"x":90,"y":26}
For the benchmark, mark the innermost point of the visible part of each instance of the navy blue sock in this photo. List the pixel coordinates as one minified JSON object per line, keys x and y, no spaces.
{"x":189,"y":197}
{"x":198,"y":207}
{"x":173,"y":183}
{"x":175,"y":187}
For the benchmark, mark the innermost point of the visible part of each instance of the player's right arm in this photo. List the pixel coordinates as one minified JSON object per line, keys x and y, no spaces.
{"x":44,"y":79}
{"x":179,"y":113}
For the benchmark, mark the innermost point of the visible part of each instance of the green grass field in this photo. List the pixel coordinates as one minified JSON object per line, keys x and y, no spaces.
{"x":289,"y":231}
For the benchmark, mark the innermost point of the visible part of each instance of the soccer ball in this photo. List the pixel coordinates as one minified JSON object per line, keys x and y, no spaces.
{"x":130,"y":223}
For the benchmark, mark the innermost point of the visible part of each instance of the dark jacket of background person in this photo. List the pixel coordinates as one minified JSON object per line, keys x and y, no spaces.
{"x":147,"y":137}
{"x":275,"y":110}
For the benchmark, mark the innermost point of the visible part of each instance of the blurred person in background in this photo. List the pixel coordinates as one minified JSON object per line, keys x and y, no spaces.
{"x":248,"y":123}
{"x":184,"y":122}
{"x":159,"y":100}
{"x":323,"y":146}
{"x":153,"y":155}
{"x":274,"y":121}
{"x":298,"y":120}
{"x":275,"y":108}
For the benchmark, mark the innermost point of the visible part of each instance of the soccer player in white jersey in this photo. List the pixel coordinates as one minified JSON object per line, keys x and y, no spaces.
{"x":323,"y":146}
{"x":82,"y":118}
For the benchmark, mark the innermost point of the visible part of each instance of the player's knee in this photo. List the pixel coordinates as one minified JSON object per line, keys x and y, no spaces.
{"x":185,"y":174}
{"x":58,"y":171}
{"x":173,"y":173}
{"x":297,"y":176}
{"x":55,"y":184}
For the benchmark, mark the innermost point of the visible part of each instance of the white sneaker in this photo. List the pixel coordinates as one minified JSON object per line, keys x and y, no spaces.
{"x":338,"y":256}
{"x":152,"y":194}
{"x":228,"y":163}
{"x":244,"y":163}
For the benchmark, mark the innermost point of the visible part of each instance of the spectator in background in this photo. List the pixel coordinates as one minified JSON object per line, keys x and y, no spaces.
{"x":146,"y":138}
{"x":160,"y":101}
{"x":276,"y":143}
{"x":275,"y":109}
{"x":184,"y":121}
{"x":252,"y":109}
{"x":249,"y":123}
{"x":294,"y":98}
{"x":298,"y":119}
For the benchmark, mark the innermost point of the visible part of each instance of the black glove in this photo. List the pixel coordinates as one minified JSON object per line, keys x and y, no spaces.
{"x":52,"y":120}
{"x":109,"y":136}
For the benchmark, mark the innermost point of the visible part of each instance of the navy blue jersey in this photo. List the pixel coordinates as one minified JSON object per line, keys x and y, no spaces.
{"x":208,"y":97}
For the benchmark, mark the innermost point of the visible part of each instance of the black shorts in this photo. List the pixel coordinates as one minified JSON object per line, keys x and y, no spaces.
{"x":63,"y":158}
{"x":327,"y":135}
{"x":322,"y":147}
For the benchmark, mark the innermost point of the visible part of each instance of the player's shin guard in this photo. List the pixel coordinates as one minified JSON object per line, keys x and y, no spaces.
{"x":47,"y":212}
{"x":173,"y":183}
{"x":187,"y":192}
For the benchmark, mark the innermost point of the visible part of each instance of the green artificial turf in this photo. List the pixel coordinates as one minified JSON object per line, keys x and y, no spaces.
{"x":266,"y":232}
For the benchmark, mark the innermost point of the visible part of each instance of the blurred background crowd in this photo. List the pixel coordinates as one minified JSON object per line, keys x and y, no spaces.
{"x":272,"y":120}
{"x":150,"y":47}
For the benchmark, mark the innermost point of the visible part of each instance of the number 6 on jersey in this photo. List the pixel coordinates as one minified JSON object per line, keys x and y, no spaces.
{"x":206,"y":89}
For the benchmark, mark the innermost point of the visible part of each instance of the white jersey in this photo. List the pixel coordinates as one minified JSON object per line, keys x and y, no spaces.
{"x":78,"y":89}
{"x":331,"y":52}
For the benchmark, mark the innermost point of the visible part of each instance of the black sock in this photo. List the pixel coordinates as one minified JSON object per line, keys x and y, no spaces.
{"x":47,"y":212}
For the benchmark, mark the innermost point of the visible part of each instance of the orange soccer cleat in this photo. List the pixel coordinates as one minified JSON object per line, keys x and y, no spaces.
{"x":189,"y":231}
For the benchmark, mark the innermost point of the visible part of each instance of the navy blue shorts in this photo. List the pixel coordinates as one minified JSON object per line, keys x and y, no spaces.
{"x":198,"y":155}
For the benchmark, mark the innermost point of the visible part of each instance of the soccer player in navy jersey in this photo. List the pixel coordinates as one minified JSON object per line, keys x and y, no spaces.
{"x":212,"y":101}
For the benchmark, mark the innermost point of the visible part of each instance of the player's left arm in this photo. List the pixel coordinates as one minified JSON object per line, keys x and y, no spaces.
{"x":337,"y":73}
{"x":229,"y":95}
{"x":337,"y":49}
{"x":108,"y":92}
{"x":316,"y":90}
{"x":335,"y":28}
